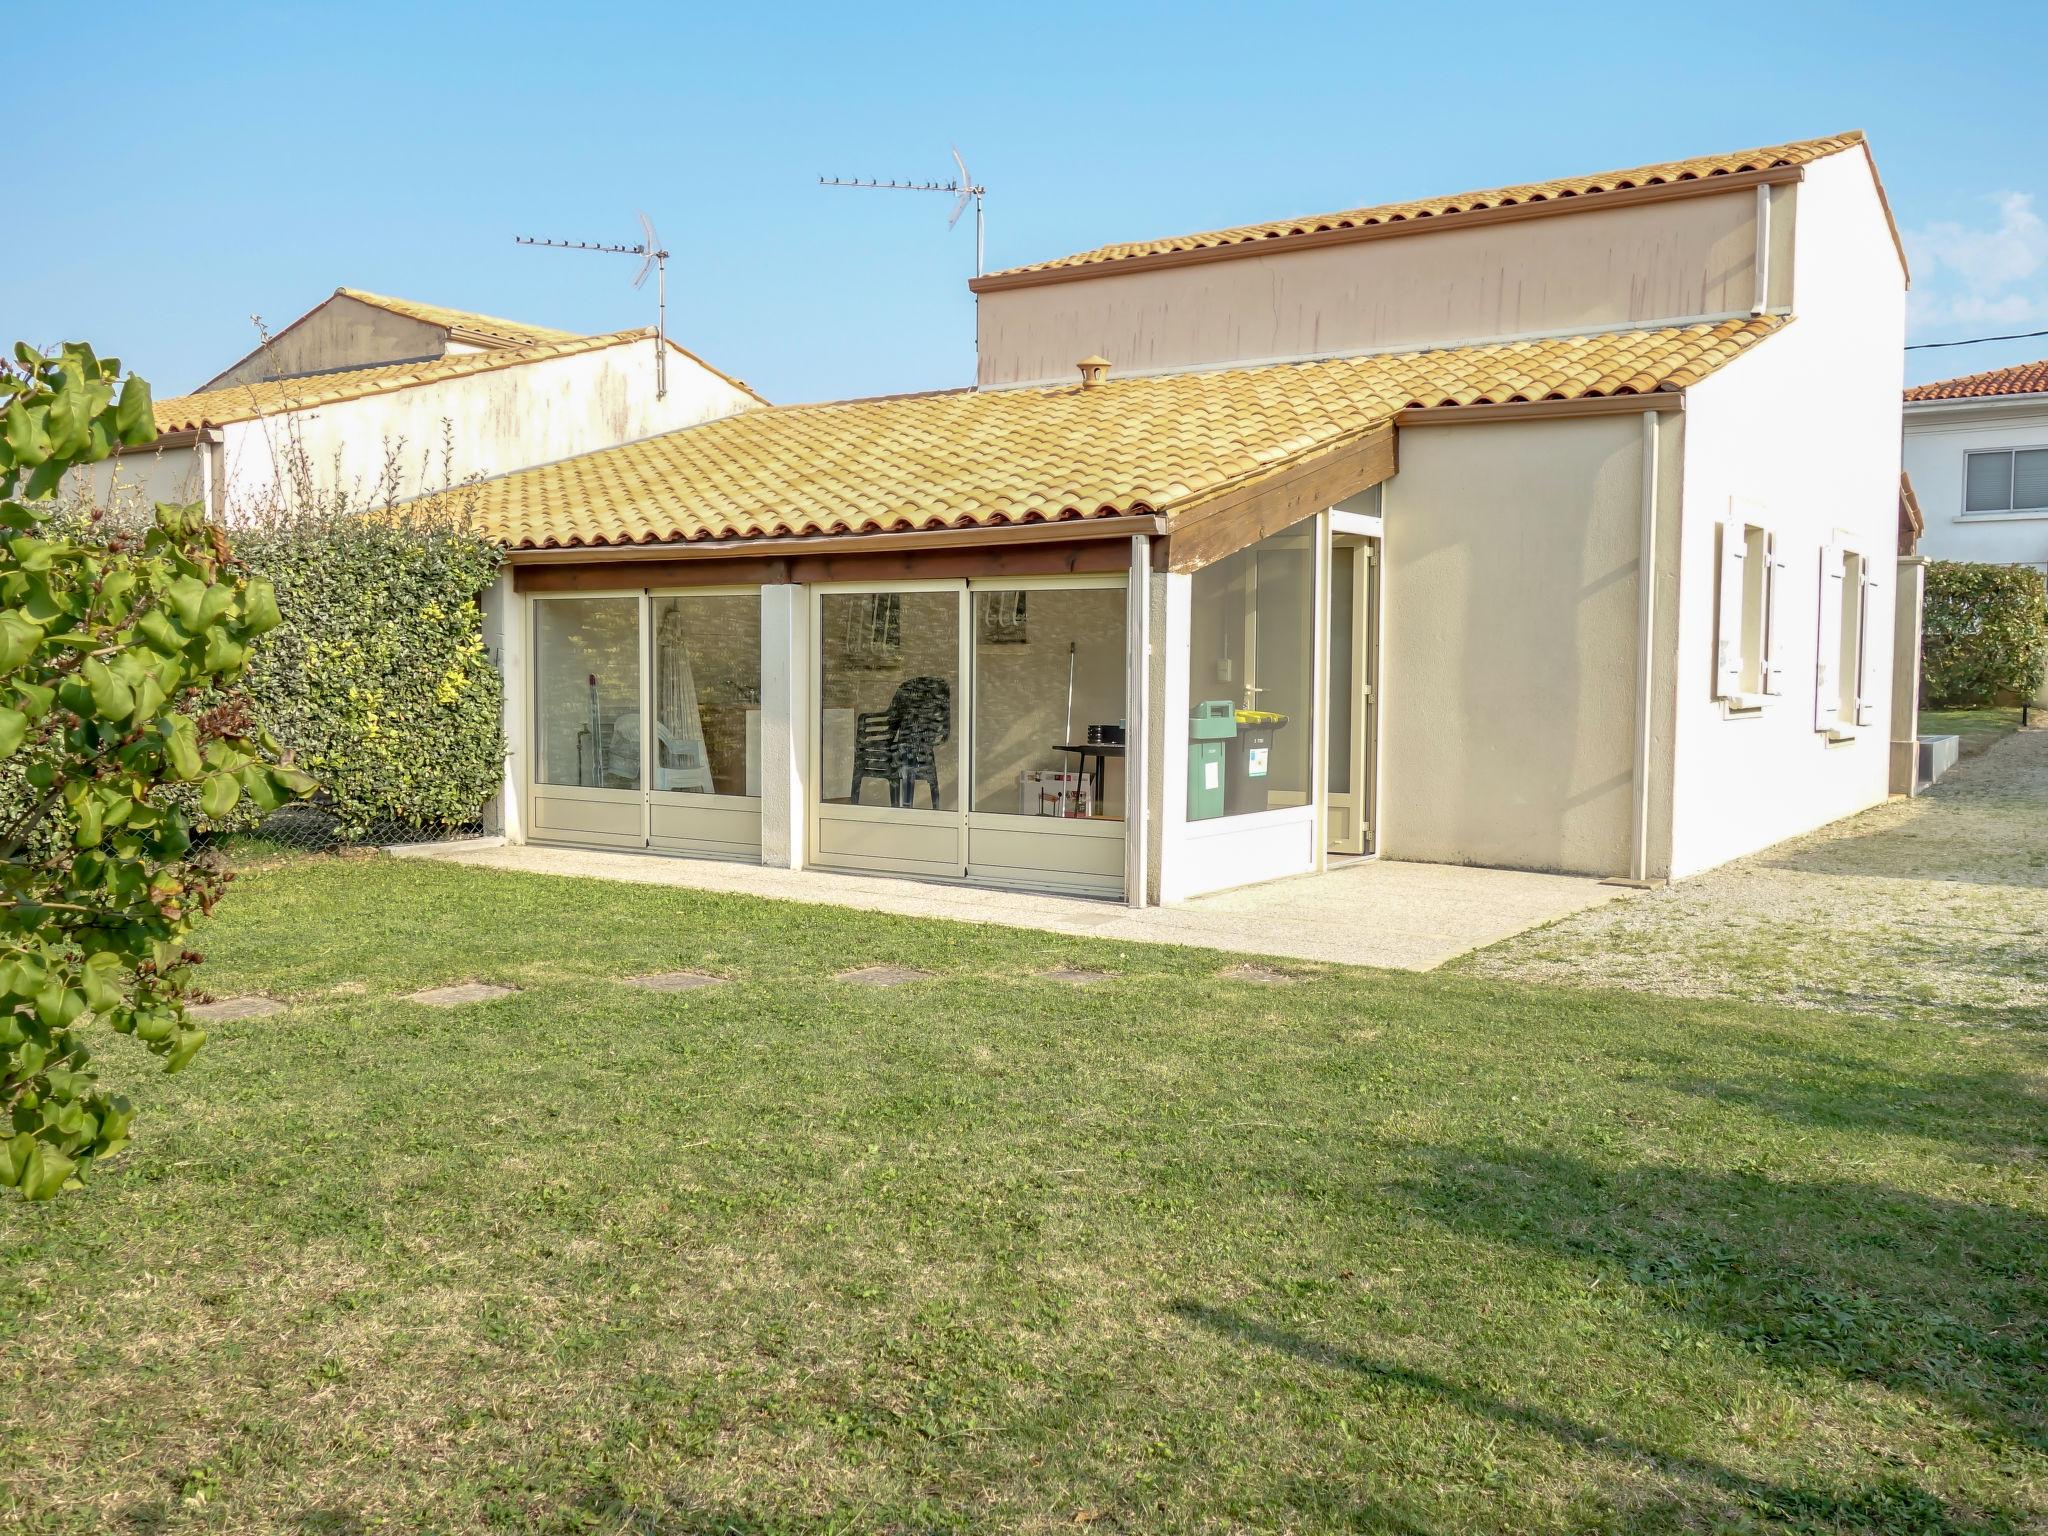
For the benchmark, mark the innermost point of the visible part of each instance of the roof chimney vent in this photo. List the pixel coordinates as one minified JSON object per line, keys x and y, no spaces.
{"x":1093,"y":371}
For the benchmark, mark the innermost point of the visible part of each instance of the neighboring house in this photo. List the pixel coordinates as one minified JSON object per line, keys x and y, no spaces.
{"x":1549,"y":527}
{"x":379,"y":399}
{"x":1977,"y":449}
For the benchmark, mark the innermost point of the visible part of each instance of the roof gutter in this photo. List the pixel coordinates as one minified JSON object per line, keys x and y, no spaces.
{"x":1620,"y":197}
{"x":1980,"y":402}
{"x":1071,"y":530}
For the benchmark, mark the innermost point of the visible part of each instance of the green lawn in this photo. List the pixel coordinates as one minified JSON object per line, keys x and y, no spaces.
{"x":1175,"y":1252}
{"x":1979,"y":728}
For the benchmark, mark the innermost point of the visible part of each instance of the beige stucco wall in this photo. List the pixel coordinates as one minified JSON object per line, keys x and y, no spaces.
{"x":341,"y":333}
{"x":1805,"y":428}
{"x":1508,"y":662}
{"x":1680,"y":259}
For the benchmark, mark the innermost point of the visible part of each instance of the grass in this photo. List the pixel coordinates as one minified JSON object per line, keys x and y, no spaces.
{"x":1979,"y":728}
{"x":1172,"y":1252}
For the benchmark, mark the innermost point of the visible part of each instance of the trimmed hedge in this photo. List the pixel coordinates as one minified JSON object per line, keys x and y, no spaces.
{"x":1984,"y":634}
{"x":379,"y":681}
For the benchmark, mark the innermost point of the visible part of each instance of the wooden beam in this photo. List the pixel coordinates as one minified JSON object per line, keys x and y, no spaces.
{"x":1062,"y":531}
{"x":1240,"y":517}
{"x":1280,"y":245}
{"x":1541,"y":410}
{"x":1037,"y":559}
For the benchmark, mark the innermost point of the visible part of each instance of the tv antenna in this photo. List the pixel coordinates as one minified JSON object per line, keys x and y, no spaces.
{"x":964,"y":187}
{"x":654,"y":258}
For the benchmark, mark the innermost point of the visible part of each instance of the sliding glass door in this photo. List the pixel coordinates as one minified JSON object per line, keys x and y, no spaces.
{"x":973,"y":729}
{"x":647,"y":720}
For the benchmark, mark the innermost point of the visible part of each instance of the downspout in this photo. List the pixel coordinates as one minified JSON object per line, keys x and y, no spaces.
{"x":1646,"y":630}
{"x":1138,"y":725}
{"x":216,"y":449}
{"x":1761,"y":304}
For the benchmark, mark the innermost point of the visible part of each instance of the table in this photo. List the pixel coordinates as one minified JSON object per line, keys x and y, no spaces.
{"x":1102,"y":752}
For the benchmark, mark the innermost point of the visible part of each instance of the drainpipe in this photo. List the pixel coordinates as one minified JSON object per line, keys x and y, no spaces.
{"x":1762,"y":302}
{"x":1138,"y":724}
{"x":1646,"y":629}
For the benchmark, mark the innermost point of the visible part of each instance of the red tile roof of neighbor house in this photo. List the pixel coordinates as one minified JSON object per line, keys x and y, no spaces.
{"x":2021,"y":379}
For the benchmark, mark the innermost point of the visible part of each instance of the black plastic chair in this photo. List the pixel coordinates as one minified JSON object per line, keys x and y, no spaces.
{"x":872,"y":755}
{"x":920,"y":721}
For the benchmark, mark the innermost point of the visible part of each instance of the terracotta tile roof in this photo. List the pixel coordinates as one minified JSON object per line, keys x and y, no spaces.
{"x":2022,"y":379}
{"x":266,"y":397}
{"x":460,"y":324}
{"x":1700,"y":168}
{"x":984,"y":458}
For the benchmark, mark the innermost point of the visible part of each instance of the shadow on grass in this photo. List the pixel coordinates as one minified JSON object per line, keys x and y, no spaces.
{"x":1988,"y":1112}
{"x":1941,"y":1298}
{"x":1890,"y":1504}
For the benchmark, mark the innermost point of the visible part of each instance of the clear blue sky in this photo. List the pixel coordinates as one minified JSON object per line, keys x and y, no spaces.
{"x":193,"y":164}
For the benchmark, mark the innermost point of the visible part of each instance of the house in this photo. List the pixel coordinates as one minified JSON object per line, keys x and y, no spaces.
{"x":377,"y":399}
{"x":1977,"y":450}
{"x":1548,"y":527}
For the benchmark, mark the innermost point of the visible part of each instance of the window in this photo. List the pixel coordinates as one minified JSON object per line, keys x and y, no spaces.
{"x":587,"y":694}
{"x":1251,"y":678}
{"x":2008,"y":480}
{"x":707,"y":693}
{"x":889,"y":678}
{"x":1049,"y":701}
{"x":1845,"y":676}
{"x":1749,"y":661}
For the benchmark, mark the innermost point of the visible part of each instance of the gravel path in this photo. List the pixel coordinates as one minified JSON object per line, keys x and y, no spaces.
{"x":1935,"y":906}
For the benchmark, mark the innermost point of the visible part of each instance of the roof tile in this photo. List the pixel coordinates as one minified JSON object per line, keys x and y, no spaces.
{"x":2022,"y":379}
{"x":1698,"y":168}
{"x":969,"y":458}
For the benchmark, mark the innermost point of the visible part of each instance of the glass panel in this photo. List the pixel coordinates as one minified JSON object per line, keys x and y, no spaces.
{"x":707,"y":693}
{"x":1988,"y":482}
{"x":1049,"y":675}
{"x":1343,"y":599}
{"x":889,"y":678}
{"x":587,"y":691}
{"x":2030,"y":480}
{"x":1250,"y":678}
{"x":1756,"y":575}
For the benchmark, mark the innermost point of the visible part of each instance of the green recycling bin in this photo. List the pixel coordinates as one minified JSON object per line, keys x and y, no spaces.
{"x":1211,"y":726}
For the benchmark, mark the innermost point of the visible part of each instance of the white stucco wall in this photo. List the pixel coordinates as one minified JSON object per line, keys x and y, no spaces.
{"x":494,"y":422}
{"x":1938,"y":436}
{"x":1805,"y":426}
{"x":1508,"y":644}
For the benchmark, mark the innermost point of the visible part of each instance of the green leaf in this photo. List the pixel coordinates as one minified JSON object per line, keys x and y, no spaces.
{"x":186,"y":595}
{"x":157,"y":633}
{"x":134,"y":415}
{"x":259,"y":606}
{"x":13,"y":730}
{"x":181,"y":749}
{"x":18,"y":640}
{"x":218,"y":795}
{"x":112,"y":699}
{"x":27,"y":433}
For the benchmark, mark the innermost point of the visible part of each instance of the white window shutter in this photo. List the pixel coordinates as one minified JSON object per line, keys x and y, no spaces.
{"x":1728,"y":616}
{"x":1827,"y":686}
{"x":1774,"y":625}
{"x":1868,"y":677}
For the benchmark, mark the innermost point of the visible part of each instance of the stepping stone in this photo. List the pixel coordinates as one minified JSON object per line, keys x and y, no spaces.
{"x":462,"y":992}
{"x":883,"y":975}
{"x":221,"y":1009}
{"x":1262,"y":975}
{"x":1075,"y":976}
{"x":675,"y":981}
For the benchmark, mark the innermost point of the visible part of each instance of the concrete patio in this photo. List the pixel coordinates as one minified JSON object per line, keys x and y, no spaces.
{"x":1410,"y":917}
